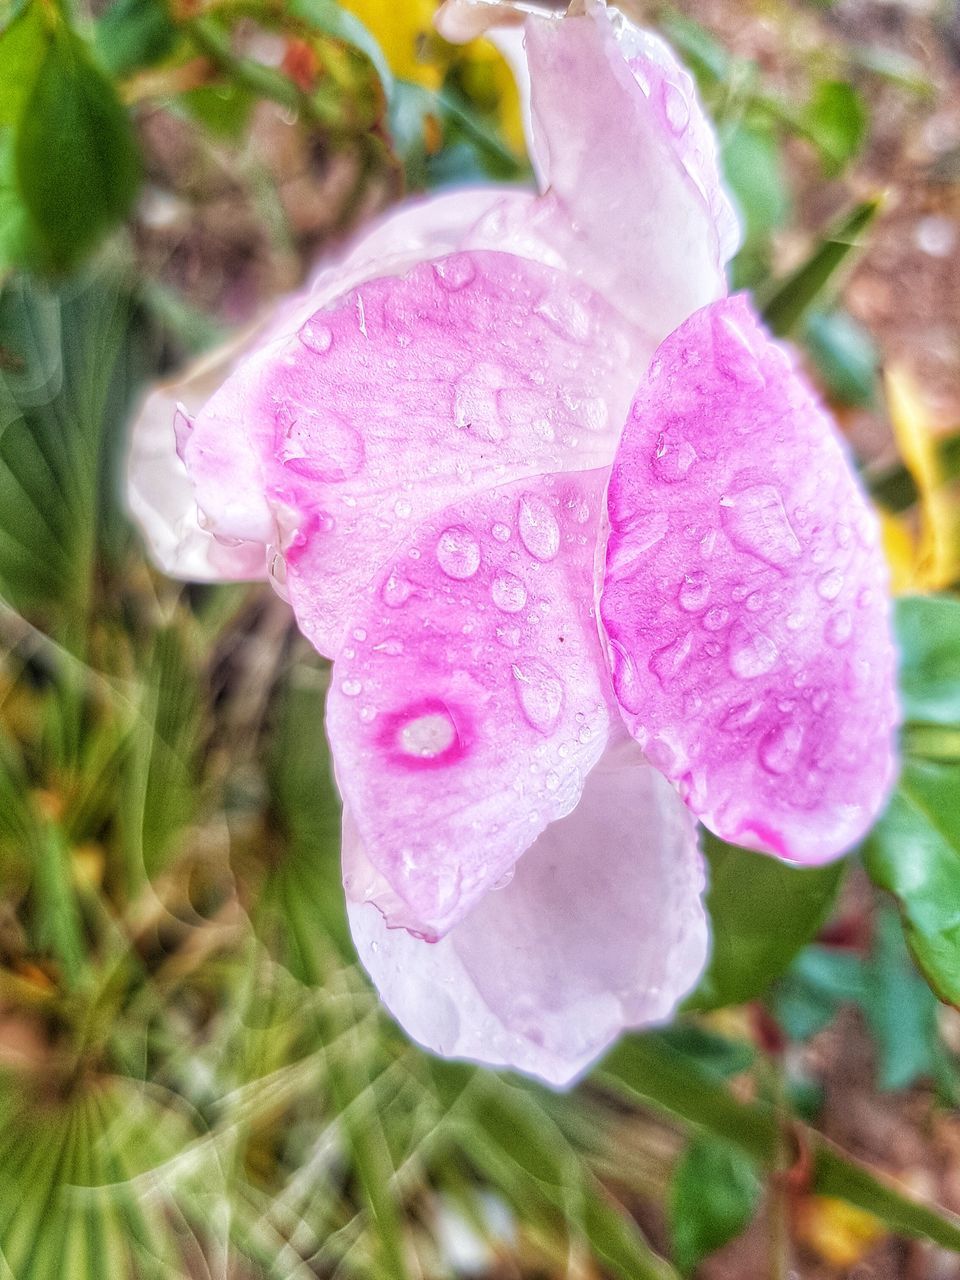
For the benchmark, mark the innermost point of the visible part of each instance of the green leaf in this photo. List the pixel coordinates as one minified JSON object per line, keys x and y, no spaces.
{"x":837,"y":120}
{"x":914,"y":853}
{"x":785,"y":303}
{"x":753,"y":169}
{"x":928,"y":631}
{"x":713,"y":1196}
{"x":914,"y":850}
{"x":895,"y":488}
{"x":644,"y":1068}
{"x":845,"y":355}
{"x":77,"y":164}
{"x":808,"y":996}
{"x":22,"y":46}
{"x":901,"y":1009}
{"x":133,"y":34}
{"x":762,"y":912}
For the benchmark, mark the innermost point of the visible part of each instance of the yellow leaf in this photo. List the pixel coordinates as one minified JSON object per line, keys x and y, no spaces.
{"x":938,"y":557}
{"x":900,"y":548}
{"x":839,"y":1232}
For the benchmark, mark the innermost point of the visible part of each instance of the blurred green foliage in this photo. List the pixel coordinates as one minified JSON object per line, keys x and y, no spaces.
{"x":196,"y":1076}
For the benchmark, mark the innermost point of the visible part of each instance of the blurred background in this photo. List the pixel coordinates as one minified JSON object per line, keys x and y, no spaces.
{"x":195,"y":1077}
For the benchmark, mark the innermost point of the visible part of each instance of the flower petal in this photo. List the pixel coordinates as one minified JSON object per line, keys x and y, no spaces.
{"x":159,"y":492}
{"x":407,"y":393}
{"x":601,"y":928}
{"x":745,"y":596}
{"x":472,"y":698}
{"x":635,"y":199}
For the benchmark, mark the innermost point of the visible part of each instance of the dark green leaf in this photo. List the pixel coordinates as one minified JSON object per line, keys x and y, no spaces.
{"x":837,"y":120}
{"x":77,"y":165}
{"x":914,"y":852}
{"x":762,"y":912}
{"x":845,"y":356}
{"x":714,"y":1195}
{"x":786,"y":302}
{"x":133,"y":34}
{"x":895,"y":488}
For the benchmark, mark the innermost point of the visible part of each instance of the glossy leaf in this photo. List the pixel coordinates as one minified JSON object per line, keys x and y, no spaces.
{"x":714,"y":1194}
{"x":762,"y":912}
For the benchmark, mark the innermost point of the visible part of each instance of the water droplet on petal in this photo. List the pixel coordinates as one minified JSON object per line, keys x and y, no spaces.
{"x":501,"y":532}
{"x":539,"y":531}
{"x":316,"y":336}
{"x":716,"y":619}
{"x":509,"y":593}
{"x":566,"y":316}
{"x":694,"y":591}
{"x":475,"y":402}
{"x":755,"y":520}
{"x":458,"y":552}
{"x":351,"y":687}
{"x":672,"y":458}
{"x":839,"y":628}
{"x":675,"y":106}
{"x":540,"y":693}
{"x":317,"y":446}
{"x":396,"y":590}
{"x":667,"y":661}
{"x":751,"y":653}
{"x":830,"y":584}
{"x":277,"y":573}
{"x":455,"y":273}
{"x":780,"y":748}
{"x":626,"y":681}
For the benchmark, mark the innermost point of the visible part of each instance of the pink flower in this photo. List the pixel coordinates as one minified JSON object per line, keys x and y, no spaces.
{"x":427,"y":453}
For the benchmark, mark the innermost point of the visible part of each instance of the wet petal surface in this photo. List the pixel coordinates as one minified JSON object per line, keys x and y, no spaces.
{"x":602,"y":91}
{"x":601,"y":928}
{"x":465,"y":373}
{"x":745,"y":596}
{"x":471,"y":699}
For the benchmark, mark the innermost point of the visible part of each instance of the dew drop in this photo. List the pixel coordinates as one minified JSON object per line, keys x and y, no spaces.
{"x":316,"y":336}
{"x":672,"y":458}
{"x":509,"y":593}
{"x":694,"y":592}
{"x":396,"y":590}
{"x":742,"y":716}
{"x":392,"y":647}
{"x":626,"y":681}
{"x":458,"y":552}
{"x":351,"y":688}
{"x":755,"y":521}
{"x":751,"y":653}
{"x":501,"y":532}
{"x":830,"y":584}
{"x":667,"y":661}
{"x":780,"y":748}
{"x":475,"y":402}
{"x":277,"y":572}
{"x":716,"y":619}
{"x":317,"y":446}
{"x":839,"y":628}
{"x":675,"y":106}
{"x":566,"y":316}
{"x":539,"y":692}
{"x":539,"y":531}
{"x":455,"y":273}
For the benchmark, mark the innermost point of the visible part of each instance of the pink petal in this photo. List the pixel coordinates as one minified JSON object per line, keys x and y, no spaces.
{"x":159,"y":493}
{"x":601,"y":928}
{"x":471,"y":698}
{"x":631,"y":164}
{"x":407,"y":393}
{"x":745,"y":596}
